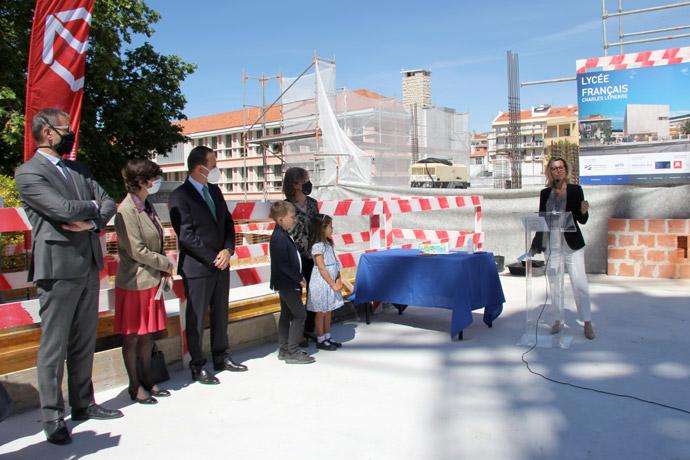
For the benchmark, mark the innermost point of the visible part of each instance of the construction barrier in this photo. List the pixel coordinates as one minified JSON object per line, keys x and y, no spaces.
{"x":249,"y":264}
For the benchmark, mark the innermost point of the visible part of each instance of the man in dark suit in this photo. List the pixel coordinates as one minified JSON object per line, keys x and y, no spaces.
{"x":67,"y":209}
{"x":206,"y":239}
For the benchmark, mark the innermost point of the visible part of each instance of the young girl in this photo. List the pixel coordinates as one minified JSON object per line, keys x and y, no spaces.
{"x":325,"y":284}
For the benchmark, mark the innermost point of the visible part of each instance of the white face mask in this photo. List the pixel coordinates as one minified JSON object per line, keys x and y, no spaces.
{"x":213,"y":175}
{"x":155,"y":186}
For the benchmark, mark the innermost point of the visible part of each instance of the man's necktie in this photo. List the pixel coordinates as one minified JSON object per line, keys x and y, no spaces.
{"x":67,"y":176}
{"x":209,"y":201}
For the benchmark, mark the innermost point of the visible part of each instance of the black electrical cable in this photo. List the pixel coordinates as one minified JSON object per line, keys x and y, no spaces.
{"x":573,"y":385}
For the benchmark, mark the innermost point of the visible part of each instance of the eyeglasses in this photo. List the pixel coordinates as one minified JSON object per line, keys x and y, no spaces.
{"x":65,"y":128}
{"x":557,"y":168}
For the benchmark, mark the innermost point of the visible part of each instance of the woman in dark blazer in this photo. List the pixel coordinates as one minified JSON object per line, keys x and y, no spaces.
{"x":560,"y":195}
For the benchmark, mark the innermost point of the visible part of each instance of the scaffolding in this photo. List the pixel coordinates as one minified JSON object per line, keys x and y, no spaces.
{"x":340,"y":135}
{"x":343,"y":136}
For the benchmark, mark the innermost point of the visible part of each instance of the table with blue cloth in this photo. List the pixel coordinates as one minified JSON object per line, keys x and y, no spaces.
{"x":457,"y":281}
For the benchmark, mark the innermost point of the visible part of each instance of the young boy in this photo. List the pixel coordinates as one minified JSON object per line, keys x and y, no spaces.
{"x":287,"y":279}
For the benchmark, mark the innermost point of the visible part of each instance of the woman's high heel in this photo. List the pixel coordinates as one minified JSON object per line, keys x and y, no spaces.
{"x":158,"y":393}
{"x":149,"y":400}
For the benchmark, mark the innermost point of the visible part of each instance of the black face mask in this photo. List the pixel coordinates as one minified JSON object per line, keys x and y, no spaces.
{"x":66,"y":143}
{"x":306,"y":188}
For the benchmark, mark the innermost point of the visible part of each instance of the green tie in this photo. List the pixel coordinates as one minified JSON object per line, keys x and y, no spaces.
{"x":209,"y":201}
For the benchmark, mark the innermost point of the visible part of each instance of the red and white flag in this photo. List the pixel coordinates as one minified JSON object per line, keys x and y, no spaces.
{"x":57,"y":61}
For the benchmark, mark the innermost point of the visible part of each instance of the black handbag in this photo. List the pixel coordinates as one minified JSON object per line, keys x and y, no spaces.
{"x":5,"y":403}
{"x":159,"y":369}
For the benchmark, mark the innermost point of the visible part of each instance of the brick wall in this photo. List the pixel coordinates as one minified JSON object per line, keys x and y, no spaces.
{"x":651,"y":248}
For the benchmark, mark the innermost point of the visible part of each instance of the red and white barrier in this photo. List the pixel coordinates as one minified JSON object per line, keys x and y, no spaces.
{"x":254,"y":227}
{"x":381,"y":235}
{"x":14,"y":220}
{"x":634,"y":60}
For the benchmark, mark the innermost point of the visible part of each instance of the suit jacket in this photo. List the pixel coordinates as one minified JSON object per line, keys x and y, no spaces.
{"x":50,"y":202}
{"x":140,"y":248}
{"x":575,"y":196}
{"x":200,"y":237}
{"x":285,"y":262}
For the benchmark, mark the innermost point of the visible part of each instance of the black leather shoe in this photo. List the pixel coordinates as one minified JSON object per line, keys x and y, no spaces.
{"x":96,"y":412}
{"x":229,"y":365}
{"x":326,"y":345}
{"x":201,"y":375}
{"x":56,"y":432}
{"x":333,"y":342}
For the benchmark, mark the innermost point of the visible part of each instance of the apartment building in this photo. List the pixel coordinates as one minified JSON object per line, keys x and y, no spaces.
{"x":539,"y":127}
{"x":243,"y":175}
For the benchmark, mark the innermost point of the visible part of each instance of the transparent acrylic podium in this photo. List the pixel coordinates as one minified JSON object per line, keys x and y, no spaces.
{"x":544,"y":301}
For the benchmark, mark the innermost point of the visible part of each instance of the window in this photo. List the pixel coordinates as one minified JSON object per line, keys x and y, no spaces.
{"x":214,"y":142}
{"x":277,"y":172}
{"x":566,"y":132}
{"x":228,"y":141}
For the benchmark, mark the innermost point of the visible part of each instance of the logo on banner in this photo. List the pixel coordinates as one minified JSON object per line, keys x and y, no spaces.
{"x":55,"y":26}
{"x":677,"y":164}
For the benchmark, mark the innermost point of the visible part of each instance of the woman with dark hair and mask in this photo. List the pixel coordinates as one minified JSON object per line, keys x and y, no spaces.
{"x":562,"y":196}
{"x":296,"y":188}
{"x":139,"y":311}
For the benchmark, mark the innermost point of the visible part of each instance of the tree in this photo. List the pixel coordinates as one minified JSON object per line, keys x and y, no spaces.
{"x":685,"y":127}
{"x":131,"y":94}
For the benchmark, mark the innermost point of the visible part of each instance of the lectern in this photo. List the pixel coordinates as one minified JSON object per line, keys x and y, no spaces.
{"x":544,"y":306}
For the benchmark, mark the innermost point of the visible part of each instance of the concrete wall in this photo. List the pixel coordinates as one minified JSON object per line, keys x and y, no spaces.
{"x":502,"y":210}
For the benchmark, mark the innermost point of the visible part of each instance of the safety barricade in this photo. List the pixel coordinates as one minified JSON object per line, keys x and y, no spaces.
{"x":250,"y":265}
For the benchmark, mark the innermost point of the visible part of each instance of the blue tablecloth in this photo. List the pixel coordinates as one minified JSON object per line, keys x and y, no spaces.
{"x":458,"y":281}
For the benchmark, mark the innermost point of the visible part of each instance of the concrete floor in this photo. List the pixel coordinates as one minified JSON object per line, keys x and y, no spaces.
{"x":400,"y":389}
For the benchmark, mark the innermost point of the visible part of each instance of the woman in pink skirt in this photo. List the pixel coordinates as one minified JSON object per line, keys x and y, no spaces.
{"x":138,"y":313}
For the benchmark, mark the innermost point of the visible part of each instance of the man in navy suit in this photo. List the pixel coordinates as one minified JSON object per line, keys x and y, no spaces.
{"x":206,"y":239}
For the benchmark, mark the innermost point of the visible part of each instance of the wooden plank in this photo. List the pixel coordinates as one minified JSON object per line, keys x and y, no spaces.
{"x":19,"y":346}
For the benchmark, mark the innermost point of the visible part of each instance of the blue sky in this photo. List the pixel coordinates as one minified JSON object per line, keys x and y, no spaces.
{"x":463,"y":43}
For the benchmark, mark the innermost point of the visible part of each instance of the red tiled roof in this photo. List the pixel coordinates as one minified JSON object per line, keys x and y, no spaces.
{"x":595,"y":117}
{"x":370,"y":94}
{"x":554,"y":112}
{"x":226,"y":120}
{"x":239,"y":118}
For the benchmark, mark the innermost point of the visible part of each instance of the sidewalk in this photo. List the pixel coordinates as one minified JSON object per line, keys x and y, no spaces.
{"x":400,"y":389}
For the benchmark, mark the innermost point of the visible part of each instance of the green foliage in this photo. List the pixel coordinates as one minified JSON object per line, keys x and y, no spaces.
{"x":685,"y":127}
{"x":10,"y":196}
{"x":8,"y":191}
{"x":11,"y":117}
{"x":131,"y":93}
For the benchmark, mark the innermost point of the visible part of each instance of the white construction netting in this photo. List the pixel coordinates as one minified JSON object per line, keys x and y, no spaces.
{"x":359,"y":136}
